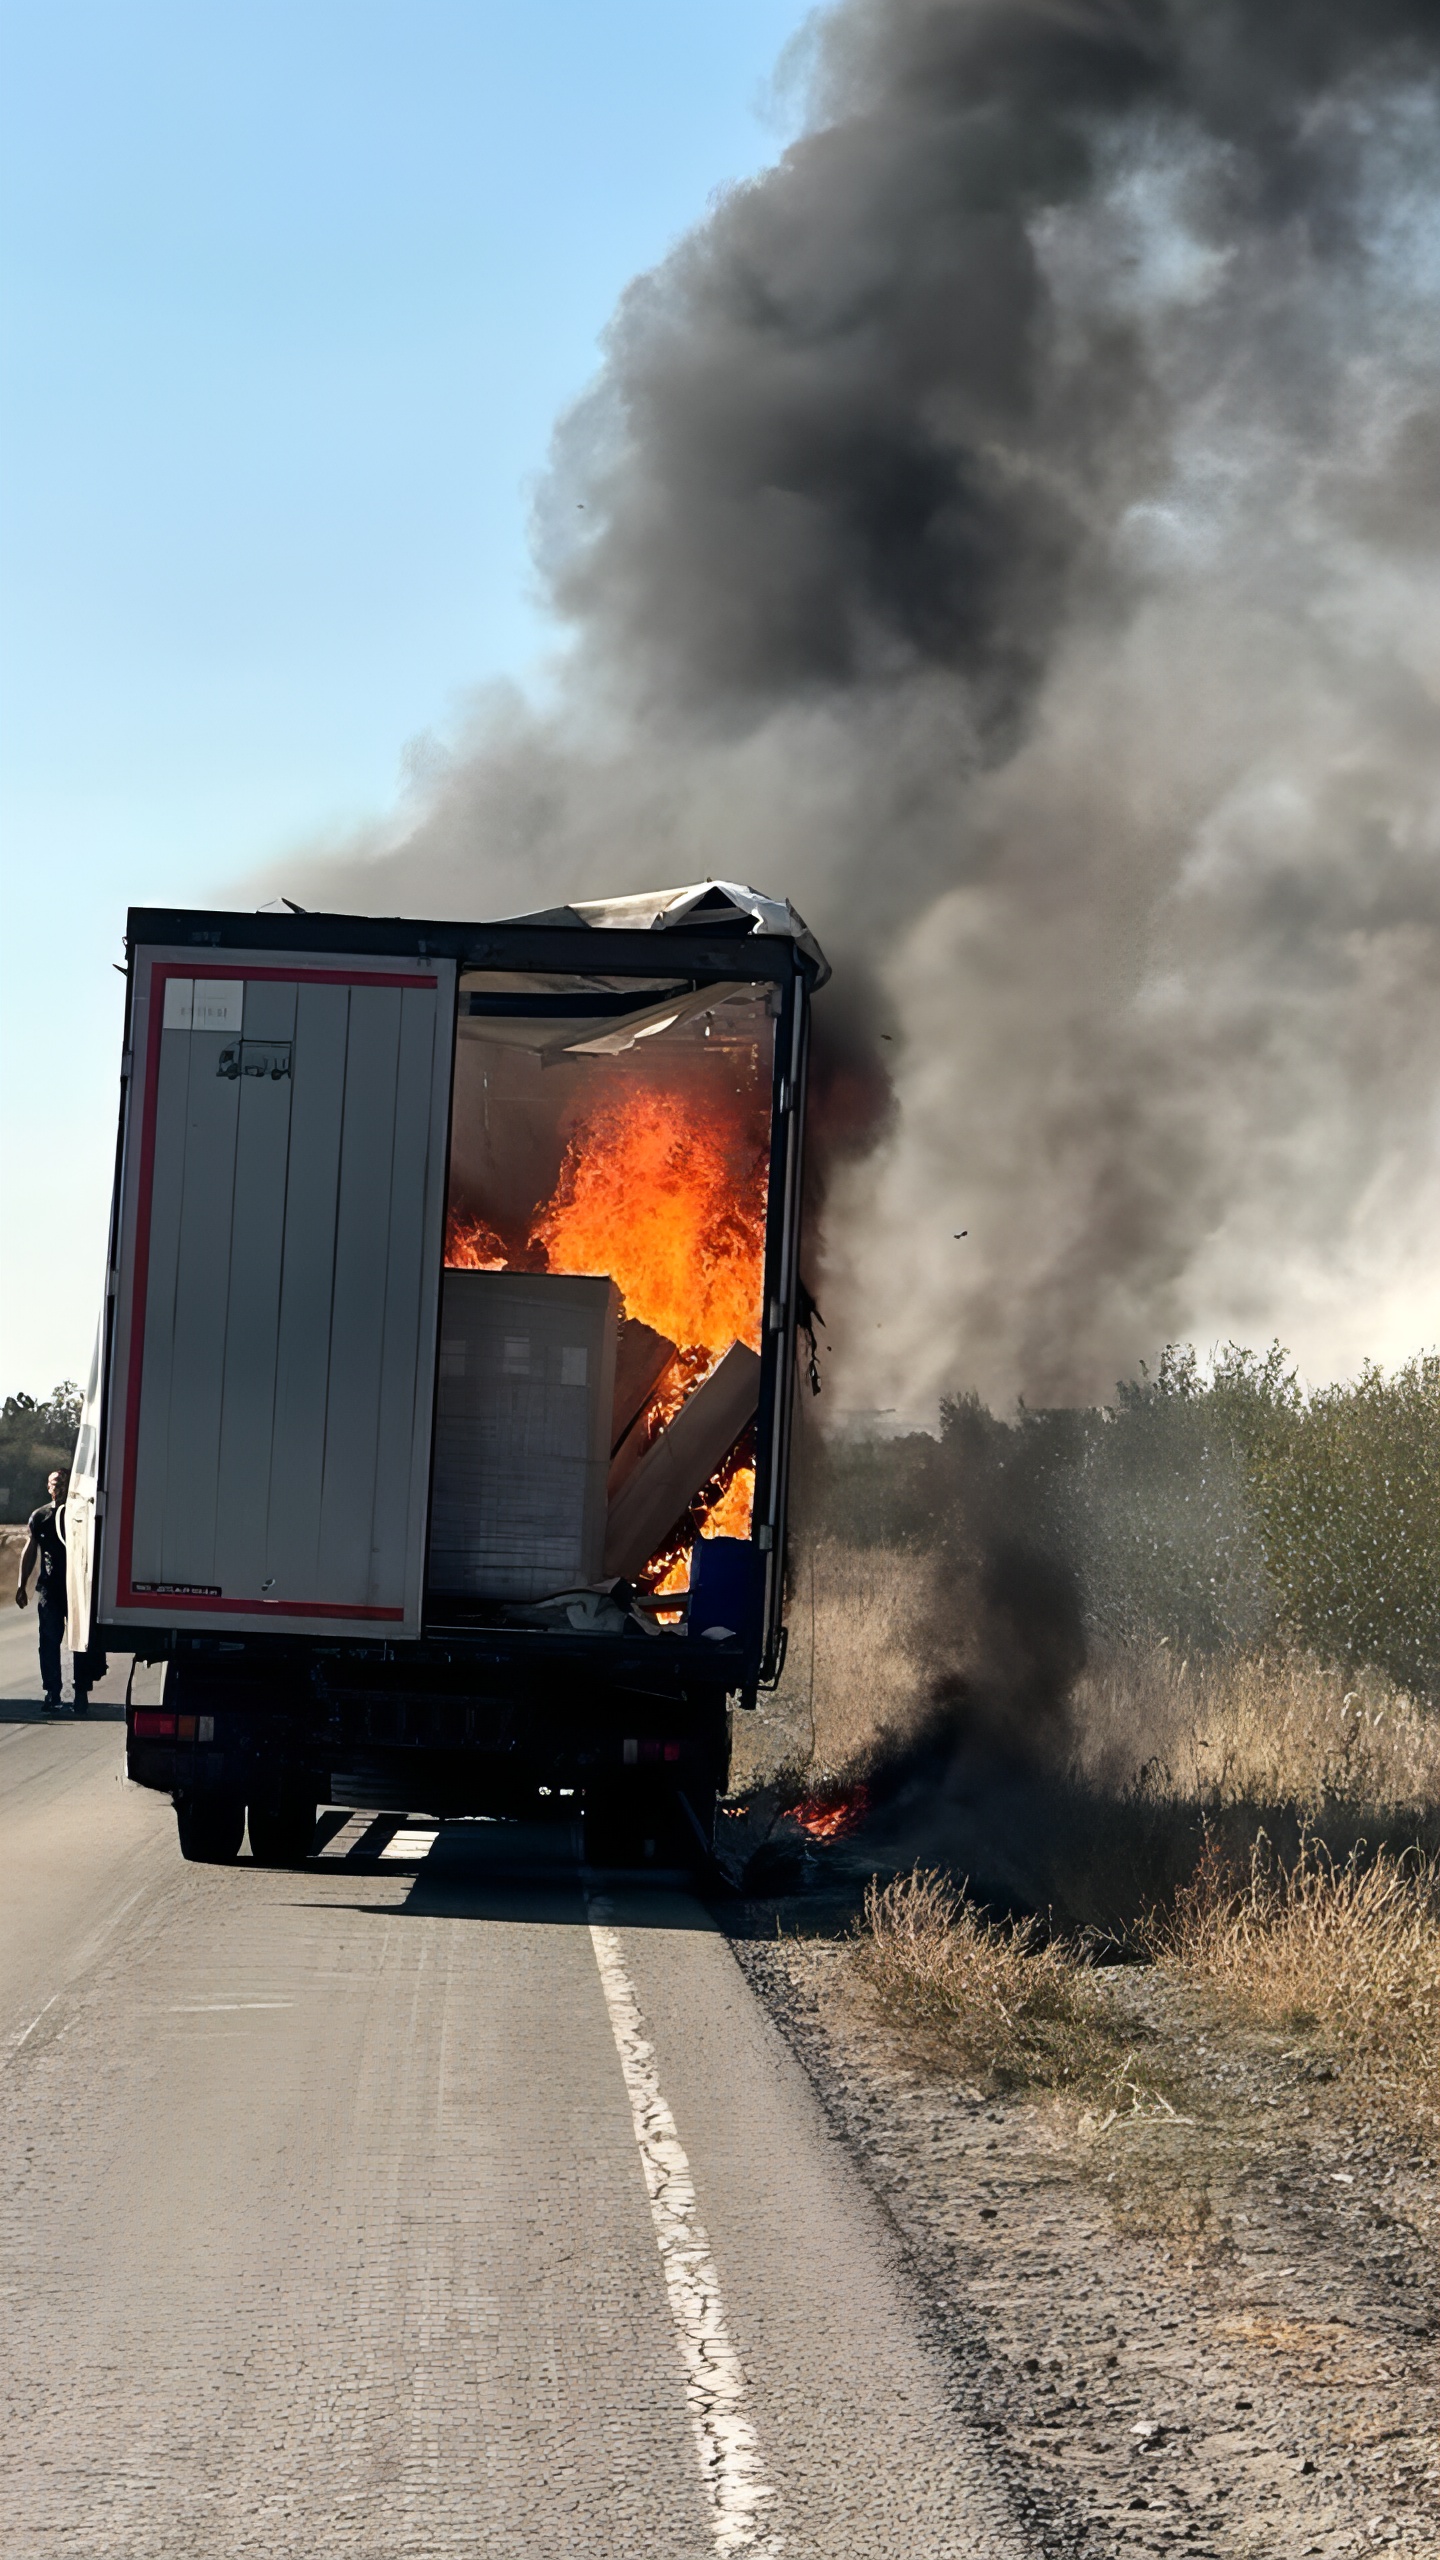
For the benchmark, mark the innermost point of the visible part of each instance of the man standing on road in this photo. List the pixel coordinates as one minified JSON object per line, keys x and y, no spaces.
{"x":46,"y":1547}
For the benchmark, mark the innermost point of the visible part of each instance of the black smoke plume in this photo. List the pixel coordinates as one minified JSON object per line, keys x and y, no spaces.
{"x":1010,"y":526}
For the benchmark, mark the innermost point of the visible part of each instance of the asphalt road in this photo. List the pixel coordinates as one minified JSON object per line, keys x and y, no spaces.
{"x":432,"y":2199}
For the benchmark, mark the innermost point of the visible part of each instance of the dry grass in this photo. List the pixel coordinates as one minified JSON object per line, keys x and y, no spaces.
{"x":1002,"y":2002}
{"x":1260,"y":1728}
{"x":854,"y":1667}
{"x":867,"y":1673}
{"x":1265,"y":1727}
{"x":1267,"y":1825}
{"x":1346,"y":1950}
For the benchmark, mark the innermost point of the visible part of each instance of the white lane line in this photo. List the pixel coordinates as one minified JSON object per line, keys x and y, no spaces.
{"x":83,"y":1956}
{"x":26,"y":2032}
{"x":211,"y":2008}
{"x":715,"y":2384}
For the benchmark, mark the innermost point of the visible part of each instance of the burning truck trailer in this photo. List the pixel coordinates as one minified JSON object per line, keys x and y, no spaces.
{"x":437,"y":1436}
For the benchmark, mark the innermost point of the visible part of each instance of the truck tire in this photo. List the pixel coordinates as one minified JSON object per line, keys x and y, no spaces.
{"x":622,"y":1827}
{"x":282,"y":1830}
{"x":648,"y":1826}
{"x":211,"y":1827}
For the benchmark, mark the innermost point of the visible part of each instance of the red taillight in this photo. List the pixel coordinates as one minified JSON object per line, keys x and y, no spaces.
{"x":151,"y":1725}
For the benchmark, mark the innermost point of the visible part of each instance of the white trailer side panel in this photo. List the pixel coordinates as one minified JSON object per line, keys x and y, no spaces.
{"x":282,"y":1224}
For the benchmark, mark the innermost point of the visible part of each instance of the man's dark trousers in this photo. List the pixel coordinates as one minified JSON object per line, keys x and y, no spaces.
{"x":51,"y":1627}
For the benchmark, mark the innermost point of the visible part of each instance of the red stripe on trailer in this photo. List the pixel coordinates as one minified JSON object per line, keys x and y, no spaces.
{"x":296,"y":977}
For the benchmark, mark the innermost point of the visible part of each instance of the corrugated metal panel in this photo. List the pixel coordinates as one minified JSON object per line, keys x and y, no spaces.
{"x":252,"y":1331}
{"x":357,"y":1315}
{"x":417,"y":1190}
{"x":307,"y":1286}
{"x":285,"y":1192}
{"x":202,"y":1299}
{"x":158,"y":1315}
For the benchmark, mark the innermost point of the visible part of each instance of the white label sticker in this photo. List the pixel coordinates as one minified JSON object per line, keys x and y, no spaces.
{"x":219,"y":1005}
{"x":204,"y":1004}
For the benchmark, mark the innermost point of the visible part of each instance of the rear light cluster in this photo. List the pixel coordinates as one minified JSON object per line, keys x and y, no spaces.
{"x":154,"y":1724}
{"x":646,"y":1749}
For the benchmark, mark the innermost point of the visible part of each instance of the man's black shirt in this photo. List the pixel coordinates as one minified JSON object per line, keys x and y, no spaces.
{"x":50,"y":1580}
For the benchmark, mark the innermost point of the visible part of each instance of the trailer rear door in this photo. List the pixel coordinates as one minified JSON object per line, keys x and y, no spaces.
{"x":272,"y":1360}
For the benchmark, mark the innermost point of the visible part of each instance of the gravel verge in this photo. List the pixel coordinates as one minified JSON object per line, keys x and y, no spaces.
{"x":1204,"y":2321}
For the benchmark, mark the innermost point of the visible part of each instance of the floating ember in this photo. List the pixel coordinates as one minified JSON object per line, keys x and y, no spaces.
{"x":831,"y":1817}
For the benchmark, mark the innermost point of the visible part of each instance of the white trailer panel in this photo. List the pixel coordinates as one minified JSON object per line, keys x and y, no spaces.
{"x":283,"y":1203}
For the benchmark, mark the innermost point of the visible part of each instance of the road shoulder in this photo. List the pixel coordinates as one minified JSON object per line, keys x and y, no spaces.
{"x":1210,"y":2322}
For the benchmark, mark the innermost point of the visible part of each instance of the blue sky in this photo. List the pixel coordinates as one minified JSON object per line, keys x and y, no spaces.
{"x":291,"y":297}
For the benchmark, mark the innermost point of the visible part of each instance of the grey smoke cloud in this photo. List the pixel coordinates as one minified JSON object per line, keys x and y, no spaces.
{"x":1010,"y":526}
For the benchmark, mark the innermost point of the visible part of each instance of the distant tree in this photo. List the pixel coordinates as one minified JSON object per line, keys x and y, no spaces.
{"x":1213,"y":1503}
{"x":1346,"y":1484}
{"x":37,"y":1434}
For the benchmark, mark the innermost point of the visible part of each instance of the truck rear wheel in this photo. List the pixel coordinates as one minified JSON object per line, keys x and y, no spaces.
{"x":211,"y":1827}
{"x":647,"y":1826}
{"x":621,"y":1829}
{"x":282,"y":1830}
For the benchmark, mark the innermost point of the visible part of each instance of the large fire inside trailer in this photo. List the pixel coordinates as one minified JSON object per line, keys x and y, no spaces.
{"x":610,"y":1137}
{"x":441,"y":1438}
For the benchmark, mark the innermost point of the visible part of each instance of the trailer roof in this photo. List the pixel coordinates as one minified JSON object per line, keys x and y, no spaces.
{"x":706,"y":921}
{"x":707,"y":904}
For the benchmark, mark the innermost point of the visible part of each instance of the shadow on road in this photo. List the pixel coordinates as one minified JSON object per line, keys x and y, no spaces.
{"x":29,"y":1711}
{"x":530,"y":1873}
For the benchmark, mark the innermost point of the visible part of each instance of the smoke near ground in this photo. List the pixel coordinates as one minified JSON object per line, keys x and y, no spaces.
{"x":1010,"y":527}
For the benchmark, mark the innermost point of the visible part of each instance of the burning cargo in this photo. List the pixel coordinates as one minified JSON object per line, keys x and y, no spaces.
{"x":445,"y":1377}
{"x":522,"y":1434}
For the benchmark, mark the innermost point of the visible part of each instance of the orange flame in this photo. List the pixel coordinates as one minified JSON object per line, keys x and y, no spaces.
{"x":471,"y":1243}
{"x":730,"y":1516}
{"x":663,"y":1190}
{"x":832,"y":1817}
{"x":651,"y":1192}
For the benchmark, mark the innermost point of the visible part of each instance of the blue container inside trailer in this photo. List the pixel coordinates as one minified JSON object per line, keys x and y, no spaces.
{"x":727,"y":1589}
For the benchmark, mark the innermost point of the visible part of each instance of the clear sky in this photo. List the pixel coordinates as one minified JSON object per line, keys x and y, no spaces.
{"x":292,"y":294}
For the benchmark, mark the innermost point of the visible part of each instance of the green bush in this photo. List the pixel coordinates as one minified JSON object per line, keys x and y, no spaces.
{"x":1213,"y":1506}
{"x":1346,"y":1488}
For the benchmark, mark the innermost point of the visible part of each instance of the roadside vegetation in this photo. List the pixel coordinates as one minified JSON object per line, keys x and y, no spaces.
{"x":1003,"y":2003}
{"x":1341,"y":1953}
{"x":37,"y":1434}
{"x":1220,"y":1757}
{"x":1220,"y":1506}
